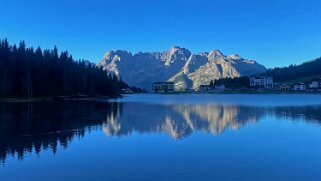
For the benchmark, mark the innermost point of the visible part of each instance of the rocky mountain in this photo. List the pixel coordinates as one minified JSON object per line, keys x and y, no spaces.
{"x":179,"y":65}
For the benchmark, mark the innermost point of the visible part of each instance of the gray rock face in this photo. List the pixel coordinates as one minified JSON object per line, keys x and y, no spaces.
{"x":179,"y":65}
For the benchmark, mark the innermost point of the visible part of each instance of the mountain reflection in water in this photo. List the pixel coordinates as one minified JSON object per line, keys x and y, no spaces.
{"x":28,"y":127}
{"x":178,"y":120}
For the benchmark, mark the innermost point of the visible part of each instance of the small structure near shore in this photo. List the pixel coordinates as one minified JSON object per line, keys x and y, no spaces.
{"x":219,"y":88}
{"x":299,"y":86}
{"x":285,"y":87}
{"x":211,"y":88}
{"x":204,"y":88}
{"x":163,"y":87}
{"x":315,"y":84}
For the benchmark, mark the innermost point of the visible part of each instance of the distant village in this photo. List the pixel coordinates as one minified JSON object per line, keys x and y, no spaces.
{"x":267,"y":83}
{"x":256,"y":83}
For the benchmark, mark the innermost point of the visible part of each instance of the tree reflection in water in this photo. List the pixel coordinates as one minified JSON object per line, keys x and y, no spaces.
{"x":25,"y":127}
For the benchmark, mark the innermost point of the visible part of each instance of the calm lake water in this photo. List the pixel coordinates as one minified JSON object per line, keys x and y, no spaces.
{"x":163,"y":137}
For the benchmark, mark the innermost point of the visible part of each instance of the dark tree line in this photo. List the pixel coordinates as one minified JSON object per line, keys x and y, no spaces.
{"x":27,"y":73}
{"x":236,"y":82}
{"x":292,"y":72}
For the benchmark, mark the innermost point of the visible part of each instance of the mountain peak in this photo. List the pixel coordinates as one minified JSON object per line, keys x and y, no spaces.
{"x":178,"y":49}
{"x":177,"y":55}
{"x":112,"y":53}
{"x":215,"y":54}
{"x":175,"y":47}
{"x":234,"y":57}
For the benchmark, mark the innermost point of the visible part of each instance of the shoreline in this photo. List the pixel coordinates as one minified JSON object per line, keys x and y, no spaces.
{"x":264,"y":92}
{"x":56,"y":99}
{"x":240,"y":92}
{"x":97,"y":98}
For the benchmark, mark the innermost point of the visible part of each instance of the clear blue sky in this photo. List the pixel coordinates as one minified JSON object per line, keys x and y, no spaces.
{"x":273,"y":32}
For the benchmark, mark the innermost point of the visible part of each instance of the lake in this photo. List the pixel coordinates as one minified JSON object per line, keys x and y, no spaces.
{"x":163,"y":137}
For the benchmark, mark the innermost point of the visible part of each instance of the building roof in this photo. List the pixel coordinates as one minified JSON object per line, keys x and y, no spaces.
{"x":285,"y":84}
{"x":205,"y":85}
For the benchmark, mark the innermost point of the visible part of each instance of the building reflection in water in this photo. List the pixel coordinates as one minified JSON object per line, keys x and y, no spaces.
{"x":25,"y":128}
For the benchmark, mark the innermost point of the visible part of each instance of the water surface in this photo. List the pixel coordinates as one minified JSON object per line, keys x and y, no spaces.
{"x":163,"y":137}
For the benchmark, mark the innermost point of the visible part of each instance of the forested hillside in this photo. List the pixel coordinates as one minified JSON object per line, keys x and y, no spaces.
{"x":28,"y":73}
{"x":293,"y":72}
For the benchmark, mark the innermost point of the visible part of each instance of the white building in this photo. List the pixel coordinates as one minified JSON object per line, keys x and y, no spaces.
{"x":299,"y":86}
{"x":163,"y":87}
{"x":219,"y":88}
{"x":261,"y":82}
{"x":315,"y":84}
